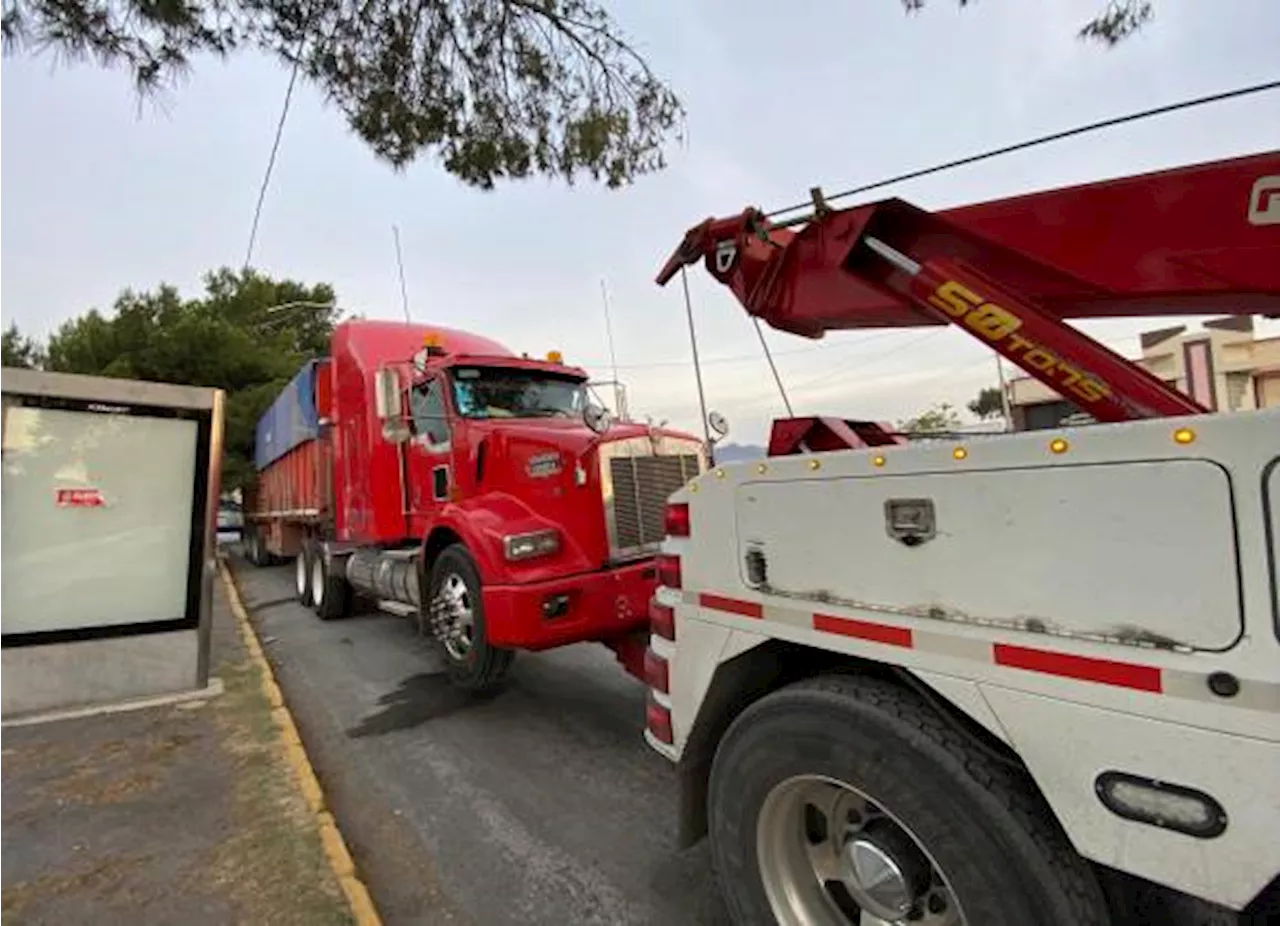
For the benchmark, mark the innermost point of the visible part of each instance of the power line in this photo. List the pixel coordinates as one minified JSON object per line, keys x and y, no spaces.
{"x":1043,"y":139}
{"x":740,"y":358}
{"x":972,"y":159}
{"x":837,"y":374}
{"x":271,"y":161}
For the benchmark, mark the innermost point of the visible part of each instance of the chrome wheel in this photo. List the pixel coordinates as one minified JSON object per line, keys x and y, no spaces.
{"x":455,"y":616}
{"x":831,"y":856}
{"x":300,"y":574}
{"x":317,"y":579}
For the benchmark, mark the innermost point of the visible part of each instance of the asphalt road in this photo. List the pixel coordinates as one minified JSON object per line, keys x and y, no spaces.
{"x":541,"y":804}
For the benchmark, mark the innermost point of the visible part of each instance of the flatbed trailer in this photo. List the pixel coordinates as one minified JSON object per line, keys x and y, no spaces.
{"x":1032,"y":678}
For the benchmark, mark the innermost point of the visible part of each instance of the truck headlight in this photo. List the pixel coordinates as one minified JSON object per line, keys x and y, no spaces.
{"x":527,"y":546}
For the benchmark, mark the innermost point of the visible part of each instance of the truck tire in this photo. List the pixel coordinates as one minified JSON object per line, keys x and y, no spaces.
{"x":839,"y":771}
{"x":302,"y":574}
{"x":330,"y":591}
{"x":455,"y":615}
{"x":254,"y":549}
{"x":1146,"y":903}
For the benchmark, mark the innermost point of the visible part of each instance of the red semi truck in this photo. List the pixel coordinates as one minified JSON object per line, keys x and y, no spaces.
{"x":480,"y":493}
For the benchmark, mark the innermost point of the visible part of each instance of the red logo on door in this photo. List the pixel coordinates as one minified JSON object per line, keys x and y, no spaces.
{"x":79,"y":498}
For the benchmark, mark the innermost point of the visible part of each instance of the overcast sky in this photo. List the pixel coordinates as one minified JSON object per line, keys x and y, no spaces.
{"x":98,"y":195}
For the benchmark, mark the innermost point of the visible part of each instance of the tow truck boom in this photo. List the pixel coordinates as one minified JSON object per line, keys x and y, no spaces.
{"x":1193,"y":240}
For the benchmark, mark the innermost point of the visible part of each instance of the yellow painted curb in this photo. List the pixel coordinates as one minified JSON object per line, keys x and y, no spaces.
{"x":335,"y":847}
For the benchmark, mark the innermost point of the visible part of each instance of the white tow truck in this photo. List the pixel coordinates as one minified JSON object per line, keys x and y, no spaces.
{"x":1023,"y":680}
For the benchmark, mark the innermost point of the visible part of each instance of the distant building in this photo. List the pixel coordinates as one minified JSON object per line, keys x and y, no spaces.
{"x":1224,"y":367}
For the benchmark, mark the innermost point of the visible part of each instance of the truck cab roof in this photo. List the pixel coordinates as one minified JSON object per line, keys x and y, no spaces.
{"x":507,"y":362}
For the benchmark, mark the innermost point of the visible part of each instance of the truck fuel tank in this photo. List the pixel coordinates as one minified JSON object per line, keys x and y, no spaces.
{"x":386,"y":575}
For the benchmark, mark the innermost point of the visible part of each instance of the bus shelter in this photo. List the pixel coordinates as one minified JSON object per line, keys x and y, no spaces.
{"x":107,"y":545}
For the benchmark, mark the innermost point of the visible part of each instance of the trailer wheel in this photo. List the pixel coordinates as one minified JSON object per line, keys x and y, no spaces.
{"x":330,"y":591}
{"x":839,"y":799}
{"x":456,"y":618}
{"x":255,"y":552}
{"x":302,"y":573}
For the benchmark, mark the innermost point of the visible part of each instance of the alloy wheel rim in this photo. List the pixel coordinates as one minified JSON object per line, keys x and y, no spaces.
{"x":829,"y":855}
{"x":455,"y":616}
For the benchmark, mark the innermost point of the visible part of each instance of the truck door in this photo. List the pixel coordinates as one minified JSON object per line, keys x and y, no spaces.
{"x":429,"y":473}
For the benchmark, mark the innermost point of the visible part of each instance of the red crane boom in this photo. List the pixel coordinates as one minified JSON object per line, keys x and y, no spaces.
{"x":1194,"y":240}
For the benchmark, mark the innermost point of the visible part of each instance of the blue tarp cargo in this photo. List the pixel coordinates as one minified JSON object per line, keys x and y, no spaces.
{"x":291,"y":420}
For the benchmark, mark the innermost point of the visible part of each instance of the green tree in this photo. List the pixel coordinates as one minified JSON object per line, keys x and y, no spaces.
{"x":20,"y":351}
{"x":988,"y":404}
{"x":938,"y":419}
{"x":495,"y":89}
{"x":1118,"y":20}
{"x":247,"y":334}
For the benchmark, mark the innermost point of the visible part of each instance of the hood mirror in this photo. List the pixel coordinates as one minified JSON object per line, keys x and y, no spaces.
{"x":597,"y":418}
{"x":718,"y":424}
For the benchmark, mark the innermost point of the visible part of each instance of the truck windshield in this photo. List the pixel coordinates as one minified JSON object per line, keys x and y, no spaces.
{"x":494,"y":392}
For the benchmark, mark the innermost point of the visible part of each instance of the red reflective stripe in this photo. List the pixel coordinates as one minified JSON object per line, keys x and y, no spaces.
{"x":1106,"y":671}
{"x":731,"y":605}
{"x":863,"y":630}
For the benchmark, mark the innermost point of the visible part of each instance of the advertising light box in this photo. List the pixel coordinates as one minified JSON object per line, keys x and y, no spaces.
{"x":105,"y":513}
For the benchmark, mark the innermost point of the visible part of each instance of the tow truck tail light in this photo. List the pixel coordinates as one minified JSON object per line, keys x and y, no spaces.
{"x":669,"y":571}
{"x":658,"y":721}
{"x":676,"y":520}
{"x":657,"y":672}
{"x":662,"y":620}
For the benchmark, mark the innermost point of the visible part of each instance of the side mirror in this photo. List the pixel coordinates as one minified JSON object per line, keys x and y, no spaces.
{"x":388,"y":402}
{"x":718,"y":424}
{"x":597,"y":418}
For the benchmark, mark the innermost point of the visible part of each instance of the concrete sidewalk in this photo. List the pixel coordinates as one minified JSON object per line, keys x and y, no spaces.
{"x":186,"y":813}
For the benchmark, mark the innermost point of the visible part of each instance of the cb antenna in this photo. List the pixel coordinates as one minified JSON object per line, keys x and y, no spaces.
{"x":613,"y":356}
{"x":404,"y":290}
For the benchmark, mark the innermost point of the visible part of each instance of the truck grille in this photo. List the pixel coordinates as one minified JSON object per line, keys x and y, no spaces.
{"x":641,"y":487}
{"x":636,"y":491}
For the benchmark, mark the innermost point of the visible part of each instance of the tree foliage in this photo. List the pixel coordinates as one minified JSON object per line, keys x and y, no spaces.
{"x":988,"y":403}
{"x":941,"y":418}
{"x":247,"y":334}
{"x":495,"y":88}
{"x":1118,"y":20}
{"x":20,"y":351}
